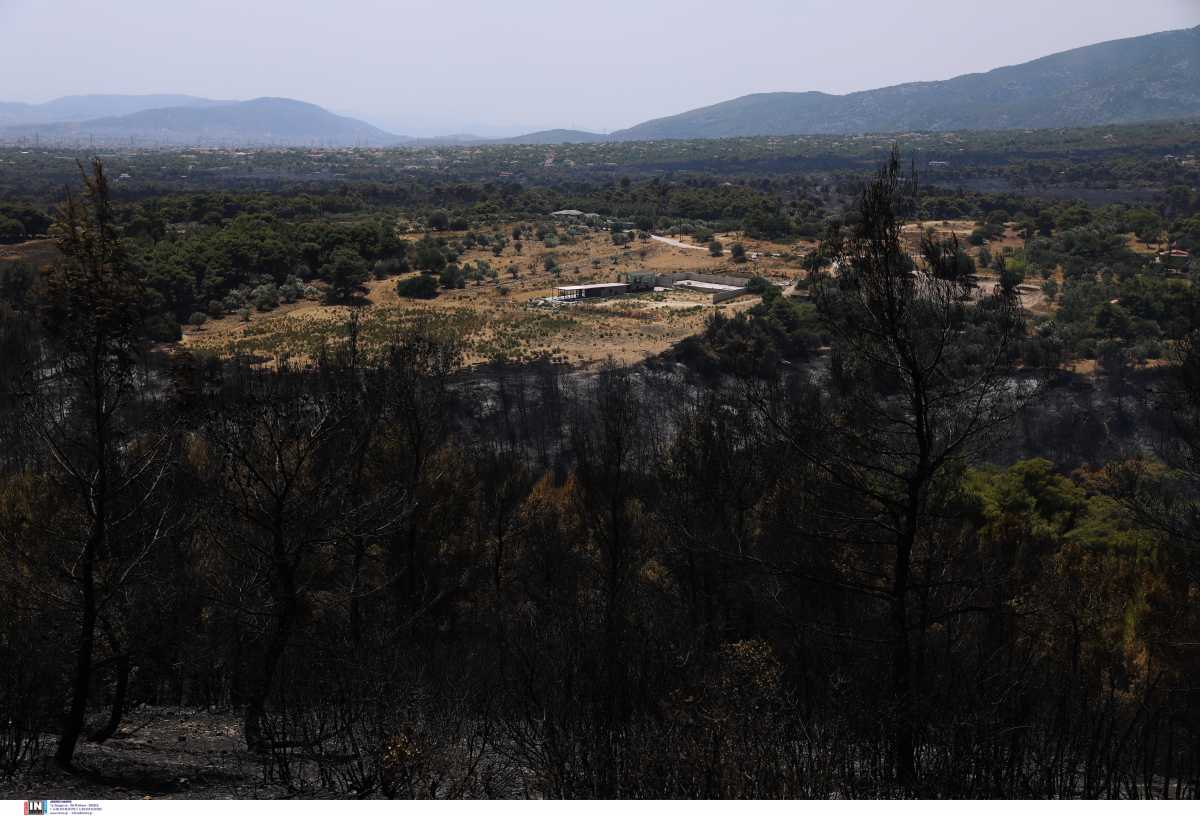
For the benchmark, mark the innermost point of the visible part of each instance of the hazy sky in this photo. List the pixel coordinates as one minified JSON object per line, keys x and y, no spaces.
{"x":424,"y":67}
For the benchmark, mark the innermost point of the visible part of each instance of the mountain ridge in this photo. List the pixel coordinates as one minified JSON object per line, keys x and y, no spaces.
{"x":1146,"y":78}
{"x":1152,"y":77}
{"x":82,"y":107}
{"x":265,"y":120}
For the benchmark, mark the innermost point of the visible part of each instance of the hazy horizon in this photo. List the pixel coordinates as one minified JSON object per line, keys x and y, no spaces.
{"x":419,"y":70}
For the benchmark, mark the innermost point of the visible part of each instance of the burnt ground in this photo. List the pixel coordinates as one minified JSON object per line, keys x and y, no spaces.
{"x":158,"y":753}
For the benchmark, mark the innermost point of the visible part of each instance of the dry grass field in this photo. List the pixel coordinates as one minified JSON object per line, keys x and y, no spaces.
{"x":40,"y":252}
{"x":506,"y":319}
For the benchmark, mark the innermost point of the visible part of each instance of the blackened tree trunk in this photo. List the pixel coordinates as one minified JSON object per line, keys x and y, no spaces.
{"x":92,"y":315}
{"x":903,"y":737}
{"x":117,"y":711}
{"x":910,"y":408}
{"x":81,"y":679}
{"x":281,"y":635}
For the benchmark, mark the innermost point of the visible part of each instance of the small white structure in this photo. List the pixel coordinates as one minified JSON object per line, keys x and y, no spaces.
{"x":706,"y":286}
{"x":721,"y":287}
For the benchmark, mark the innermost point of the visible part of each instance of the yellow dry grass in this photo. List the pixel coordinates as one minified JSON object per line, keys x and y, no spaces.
{"x":40,"y":252}
{"x":504,"y":318}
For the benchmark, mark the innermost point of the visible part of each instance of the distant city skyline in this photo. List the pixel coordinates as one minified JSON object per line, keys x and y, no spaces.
{"x":422,"y":68}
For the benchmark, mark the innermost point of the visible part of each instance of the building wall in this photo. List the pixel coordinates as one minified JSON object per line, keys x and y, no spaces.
{"x":718,"y":297}
{"x":607,"y":291}
{"x":674,"y":277}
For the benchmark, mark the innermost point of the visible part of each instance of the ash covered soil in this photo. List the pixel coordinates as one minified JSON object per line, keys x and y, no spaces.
{"x":158,"y":753}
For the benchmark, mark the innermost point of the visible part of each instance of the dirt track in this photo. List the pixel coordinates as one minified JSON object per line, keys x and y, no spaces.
{"x":676,"y":243}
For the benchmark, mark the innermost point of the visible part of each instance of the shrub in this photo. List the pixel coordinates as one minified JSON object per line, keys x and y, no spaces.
{"x":759,"y":285}
{"x":429,"y":256}
{"x":388,"y":267}
{"x":716,"y":249}
{"x":439,"y":220}
{"x":265,"y":297}
{"x":420,"y":287}
{"x":197,"y":319}
{"x":453,"y":277}
{"x":11,"y":230}
{"x":163,"y":328}
{"x":1149,"y":350}
{"x":292,"y":290}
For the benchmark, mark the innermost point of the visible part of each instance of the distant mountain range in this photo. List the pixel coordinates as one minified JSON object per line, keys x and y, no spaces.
{"x":265,"y":121}
{"x":82,"y":108}
{"x":1139,"y":79}
{"x":1153,"y":77}
{"x":557,"y":136}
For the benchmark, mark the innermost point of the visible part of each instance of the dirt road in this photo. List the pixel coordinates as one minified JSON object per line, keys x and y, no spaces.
{"x":675,"y":243}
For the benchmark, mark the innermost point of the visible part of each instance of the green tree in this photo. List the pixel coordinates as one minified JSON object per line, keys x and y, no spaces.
{"x":346,"y":272}
{"x":1146,"y":225}
{"x":429,"y":257}
{"x":450,"y":277}
{"x":1045,"y":223}
{"x":947,"y":261}
{"x":1011,"y":276}
{"x":11,"y":230}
